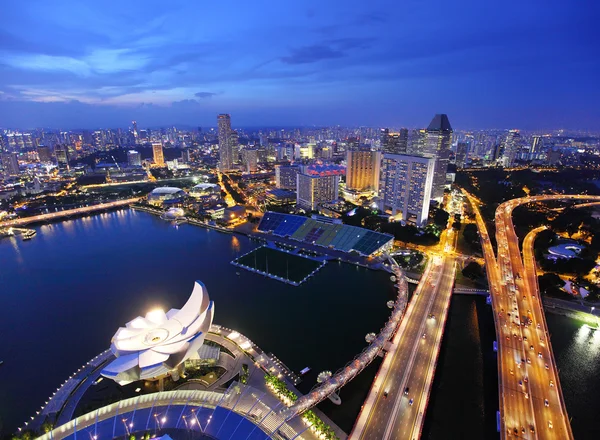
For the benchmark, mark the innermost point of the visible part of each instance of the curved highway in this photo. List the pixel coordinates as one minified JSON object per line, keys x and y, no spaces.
{"x":531,"y":402}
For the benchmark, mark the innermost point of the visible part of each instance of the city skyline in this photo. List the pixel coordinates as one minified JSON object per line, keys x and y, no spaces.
{"x":529,"y":66}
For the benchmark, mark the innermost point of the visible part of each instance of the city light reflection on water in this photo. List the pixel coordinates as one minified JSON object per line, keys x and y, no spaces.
{"x":65,"y":292}
{"x":576,"y":348}
{"x":235,"y":243}
{"x":582,"y":334}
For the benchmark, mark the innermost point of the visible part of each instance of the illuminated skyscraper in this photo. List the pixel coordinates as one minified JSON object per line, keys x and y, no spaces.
{"x":10,"y":164}
{"x":285,"y":176}
{"x":461,"y":154}
{"x":313,"y":189}
{"x":44,"y":154}
{"x":362,"y":172}
{"x":134,"y":159}
{"x":437,"y":146}
{"x":62,"y":156}
{"x":537,"y":143}
{"x":135,"y":131}
{"x":250,"y":156}
{"x":394,"y":143}
{"x":234,"y":146}
{"x":511,"y":147}
{"x":405,"y":186}
{"x":186,"y":156}
{"x":226,"y":159}
{"x":417,"y":141}
{"x":157,"y":154}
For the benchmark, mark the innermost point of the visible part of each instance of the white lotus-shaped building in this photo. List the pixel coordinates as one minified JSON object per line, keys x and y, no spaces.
{"x":149,"y":347}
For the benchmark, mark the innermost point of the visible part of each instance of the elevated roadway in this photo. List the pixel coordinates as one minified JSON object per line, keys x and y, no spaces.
{"x":396,"y":404}
{"x":531,"y":402}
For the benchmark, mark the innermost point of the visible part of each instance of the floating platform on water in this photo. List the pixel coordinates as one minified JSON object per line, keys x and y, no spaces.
{"x":278,"y":264}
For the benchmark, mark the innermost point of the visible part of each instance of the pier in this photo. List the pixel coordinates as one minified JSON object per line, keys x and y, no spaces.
{"x":26,"y":234}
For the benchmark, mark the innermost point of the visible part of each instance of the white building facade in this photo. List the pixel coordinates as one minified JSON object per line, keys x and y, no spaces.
{"x":311,"y":190}
{"x":405,"y":186}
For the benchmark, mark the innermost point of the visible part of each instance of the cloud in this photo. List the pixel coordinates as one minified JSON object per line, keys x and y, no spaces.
{"x":327,"y":49}
{"x":204,"y":95}
{"x":311,"y":54}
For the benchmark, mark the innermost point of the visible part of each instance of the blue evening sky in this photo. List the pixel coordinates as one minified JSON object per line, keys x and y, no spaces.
{"x":88,"y":64}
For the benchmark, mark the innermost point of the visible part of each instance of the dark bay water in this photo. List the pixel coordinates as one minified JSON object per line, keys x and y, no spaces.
{"x":64,"y":294}
{"x":577,"y":350}
{"x":464,"y":398}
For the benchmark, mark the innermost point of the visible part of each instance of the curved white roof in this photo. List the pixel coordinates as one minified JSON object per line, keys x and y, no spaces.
{"x":166,"y":190}
{"x":150,"y":346}
{"x":205,"y":186}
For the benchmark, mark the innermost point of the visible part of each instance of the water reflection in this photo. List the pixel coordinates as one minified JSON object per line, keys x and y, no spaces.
{"x":15,"y":245}
{"x":107,"y":269}
{"x":235,"y":244}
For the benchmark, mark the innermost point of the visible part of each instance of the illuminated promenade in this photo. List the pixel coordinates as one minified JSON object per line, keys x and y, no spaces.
{"x":531,"y":402}
{"x":67,"y":213}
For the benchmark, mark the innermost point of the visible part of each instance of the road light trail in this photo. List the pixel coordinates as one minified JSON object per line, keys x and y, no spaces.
{"x":531,"y":401}
{"x":396,"y":404}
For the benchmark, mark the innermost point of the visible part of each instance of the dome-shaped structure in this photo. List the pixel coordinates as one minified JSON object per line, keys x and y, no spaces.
{"x":151,"y":346}
{"x":173,"y":213}
{"x":166,"y":195}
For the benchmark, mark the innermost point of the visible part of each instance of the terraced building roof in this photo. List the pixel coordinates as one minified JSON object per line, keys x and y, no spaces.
{"x":340,"y":237}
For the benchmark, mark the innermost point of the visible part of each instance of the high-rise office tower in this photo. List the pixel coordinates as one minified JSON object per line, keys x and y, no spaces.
{"x":327,"y":152}
{"x":186,"y":156}
{"x":314,"y":189}
{"x":135,"y":131}
{"x":158,"y":154}
{"x":362,"y":169}
{"x":285,"y":176}
{"x":462,"y":149}
{"x":62,"y":156}
{"x":406,"y":185}
{"x":417,"y":141}
{"x":437,"y":146}
{"x":10,"y":164}
{"x":44,"y":153}
{"x":234,"y":146}
{"x":250,"y":156}
{"x":226,"y":158}
{"x":394,"y":143}
{"x":512,"y":144}
{"x":352,"y":142}
{"x":497,"y":152}
{"x":537,"y":143}
{"x":134,"y":158}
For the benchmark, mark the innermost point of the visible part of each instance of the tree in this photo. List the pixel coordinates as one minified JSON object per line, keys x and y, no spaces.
{"x":471,"y":233}
{"x":473,"y":271}
{"x":551,"y":285}
{"x":595,"y":244}
{"x":440,"y":218}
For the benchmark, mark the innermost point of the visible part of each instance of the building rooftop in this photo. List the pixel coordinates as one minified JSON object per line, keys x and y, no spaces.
{"x":337,"y":236}
{"x":440,"y":122}
{"x":166,"y":190}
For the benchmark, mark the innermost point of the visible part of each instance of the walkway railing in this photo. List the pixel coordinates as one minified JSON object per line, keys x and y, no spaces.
{"x":360,"y":362}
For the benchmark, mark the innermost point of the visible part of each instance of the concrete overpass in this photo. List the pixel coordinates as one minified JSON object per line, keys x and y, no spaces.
{"x":531,"y":402}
